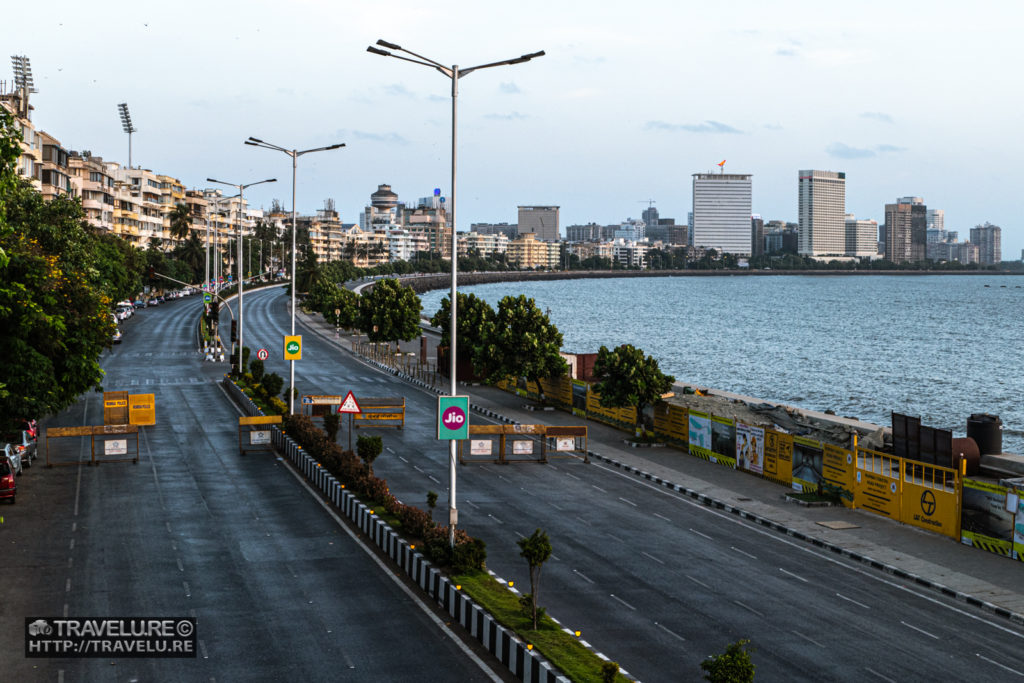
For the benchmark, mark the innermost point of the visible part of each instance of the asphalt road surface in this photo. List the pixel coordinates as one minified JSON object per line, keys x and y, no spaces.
{"x":279,"y":589}
{"x":656,"y":581}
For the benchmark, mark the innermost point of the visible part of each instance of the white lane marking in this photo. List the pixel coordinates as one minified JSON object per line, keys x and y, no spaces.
{"x":469,"y":502}
{"x":1001,"y":666}
{"x":416,"y":467}
{"x":583,"y":576}
{"x":520,"y":535}
{"x":65,"y":610}
{"x":859,"y":604}
{"x":670,"y":632}
{"x":398,"y":582}
{"x":74,"y":527}
{"x":614,"y":537}
{"x":743,"y":552}
{"x":748,"y":608}
{"x":67,"y":586}
{"x":919,"y":630}
{"x":403,"y":460}
{"x":573,"y":476}
{"x":60,"y":673}
{"x":795,"y":576}
{"x":884,"y":678}
{"x":434,"y":479}
{"x":502,"y":476}
{"x":583,"y":520}
{"x":549,"y":465}
{"x":188,"y":591}
{"x":599,"y":488}
{"x":615,"y":597}
{"x":556,"y":506}
{"x":652,"y":557}
{"x":495,"y":518}
{"x":808,"y":639}
{"x":697,"y":581}
{"x":202,"y":648}
{"x":627,"y":501}
{"x":773,"y":535}
{"x":700,"y":534}
{"x":71,"y":545}
{"x":388,"y":450}
{"x":662,"y":517}
{"x":180,"y":567}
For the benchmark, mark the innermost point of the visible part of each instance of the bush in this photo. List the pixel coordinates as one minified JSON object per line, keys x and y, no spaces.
{"x":369,"y":447}
{"x":246,"y":351}
{"x":257,"y":369}
{"x":272,"y":383}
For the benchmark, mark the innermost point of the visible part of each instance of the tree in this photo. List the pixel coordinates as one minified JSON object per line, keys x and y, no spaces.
{"x":732,"y":666}
{"x":192,"y":255}
{"x":536,"y":549}
{"x":181,"y":221}
{"x":326,"y":297}
{"x":626,"y":377}
{"x":368,"y":448}
{"x":523,"y":343}
{"x":475,"y":319}
{"x":390,"y":312}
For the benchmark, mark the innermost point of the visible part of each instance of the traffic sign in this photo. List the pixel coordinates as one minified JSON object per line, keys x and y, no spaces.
{"x":293,"y":347}
{"x":452,"y":417}
{"x":350,"y":405}
{"x":263,"y":354}
{"x":307,"y":400}
{"x":207,"y":298}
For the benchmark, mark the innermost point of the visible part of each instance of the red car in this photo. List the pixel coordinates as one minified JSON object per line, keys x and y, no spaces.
{"x":8,"y":488}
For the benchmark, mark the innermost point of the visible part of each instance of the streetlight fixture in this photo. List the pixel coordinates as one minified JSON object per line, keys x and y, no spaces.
{"x":126,"y":124}
{"x":454,"y":73}
{"x":241,"y":326}
{"x":294,"y":154}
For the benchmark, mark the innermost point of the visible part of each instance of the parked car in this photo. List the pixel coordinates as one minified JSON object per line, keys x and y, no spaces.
{"x":24,"y":444}
{"x":13,"y":458}
{"x":117,"y":336}
{"x":8,"y":487}
{"x":139,"y":303}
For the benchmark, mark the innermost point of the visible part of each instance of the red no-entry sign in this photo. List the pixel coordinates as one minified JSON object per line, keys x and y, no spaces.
{"x":263,"y":354}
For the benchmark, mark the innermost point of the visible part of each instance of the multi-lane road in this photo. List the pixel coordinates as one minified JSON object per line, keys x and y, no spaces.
{"x":279,"y":589}
{"x":655,"y":580}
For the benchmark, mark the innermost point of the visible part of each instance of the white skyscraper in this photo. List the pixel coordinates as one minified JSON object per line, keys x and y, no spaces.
{"x":936,"y":220}
{"x":861,"y":237}
{"x":721,"y":212}
{"x":822,"y":213}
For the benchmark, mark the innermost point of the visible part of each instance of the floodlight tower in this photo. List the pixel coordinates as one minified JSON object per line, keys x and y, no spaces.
{"x":126,"y":123}
{"x":23,"y":80}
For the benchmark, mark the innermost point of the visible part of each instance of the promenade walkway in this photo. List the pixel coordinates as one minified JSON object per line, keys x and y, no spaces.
{"x":910,"y":555}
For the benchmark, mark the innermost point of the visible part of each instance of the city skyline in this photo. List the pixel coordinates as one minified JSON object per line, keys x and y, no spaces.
{"x":620,"y":110}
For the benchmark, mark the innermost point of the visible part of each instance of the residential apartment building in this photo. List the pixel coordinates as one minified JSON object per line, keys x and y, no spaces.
{"x":756,"y":235}
{"x":721,"y":212}
{"x":55,"y":179}
{"x":936,"y":219}
{"x":30,"y":162}
{"x":541,"y":221}
{"x":484,"y":246}
{"x":91,"y":180}
{"x":591,"y":232}
{"x":507,"y":229}
{"x":906,"y":230}
{"x":989,"y":239}
{"x":861,"y":237}
{"x":630,"y":254}
{"x":527,"y":251}
{"x":821,"y":208}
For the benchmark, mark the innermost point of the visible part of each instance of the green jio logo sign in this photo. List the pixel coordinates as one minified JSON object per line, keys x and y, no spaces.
{"x":293,"y":347}
{"x":453,"y":417}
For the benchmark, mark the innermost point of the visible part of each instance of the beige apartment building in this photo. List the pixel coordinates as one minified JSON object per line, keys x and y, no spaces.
{"x":526,"y":251}
{"x":30,"y":163}
{"x":484,"y":246}
{"x":92,"y":181}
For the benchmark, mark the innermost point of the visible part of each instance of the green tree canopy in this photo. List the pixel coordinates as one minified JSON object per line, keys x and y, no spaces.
{"x":523,"y":343}
{"x":327,"y":297}
{"x":475,"y":319}
{"x":181,"y":221}
{"x":535,"y":549}
{"x":732,"y":666}
{"x":626,"y":377}
{"x":390,"y":312}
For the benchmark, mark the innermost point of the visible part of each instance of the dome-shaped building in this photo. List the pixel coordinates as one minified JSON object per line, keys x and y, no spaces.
{"x":384,"y":198}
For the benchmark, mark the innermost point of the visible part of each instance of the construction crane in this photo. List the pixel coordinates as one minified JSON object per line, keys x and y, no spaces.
{"x":648,"y":202}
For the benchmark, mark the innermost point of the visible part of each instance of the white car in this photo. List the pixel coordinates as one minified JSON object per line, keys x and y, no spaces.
{"x":13,"y":457}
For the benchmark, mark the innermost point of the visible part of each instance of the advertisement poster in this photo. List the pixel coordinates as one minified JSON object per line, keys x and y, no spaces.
{"x":522,"y":447}
{"x":808,"y":459}
{"x":778,"y":456}
{"x":1018,"y":529}
{"x":749,"y":448}
{"x":837,"y":470}
{"x":985,"y":522}
{"x":700,"y":435}
{"x":723,"y":440}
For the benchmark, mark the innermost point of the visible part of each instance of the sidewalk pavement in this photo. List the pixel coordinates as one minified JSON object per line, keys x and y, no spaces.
{"x":977,"y":577}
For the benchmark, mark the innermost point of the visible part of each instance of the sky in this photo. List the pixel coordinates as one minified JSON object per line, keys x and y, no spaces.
{"x":906,"y":97}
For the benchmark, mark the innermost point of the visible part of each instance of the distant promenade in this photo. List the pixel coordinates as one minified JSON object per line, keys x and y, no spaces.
{"x":426,"y":283}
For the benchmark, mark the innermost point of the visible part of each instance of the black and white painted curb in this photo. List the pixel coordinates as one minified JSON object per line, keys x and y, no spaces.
{"x":523,"y":662}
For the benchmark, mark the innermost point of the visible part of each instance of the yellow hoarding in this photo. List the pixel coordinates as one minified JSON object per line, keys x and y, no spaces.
{"x":142,"y":409}
{"x":877,"y":492}
{"x":807,"y":464}
{"x":778,"y":456}
{"x":931,"y":508}
{"x":837,"y":470}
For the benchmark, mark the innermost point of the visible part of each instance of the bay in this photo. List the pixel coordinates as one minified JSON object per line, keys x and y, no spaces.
{"x":937,"y":346}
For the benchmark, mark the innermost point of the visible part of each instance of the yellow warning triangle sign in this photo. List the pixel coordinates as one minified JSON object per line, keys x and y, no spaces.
{"x":349,"y":405}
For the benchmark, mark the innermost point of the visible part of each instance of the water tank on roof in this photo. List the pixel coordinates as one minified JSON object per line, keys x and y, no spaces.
{"x":987,"y":431}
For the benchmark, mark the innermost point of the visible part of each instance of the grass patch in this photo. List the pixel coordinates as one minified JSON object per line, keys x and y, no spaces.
{"x":560,"y":648}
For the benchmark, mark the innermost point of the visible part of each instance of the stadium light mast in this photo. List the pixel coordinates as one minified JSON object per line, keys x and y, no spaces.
{"x":23,"y":81}
{"x":126,"y":123}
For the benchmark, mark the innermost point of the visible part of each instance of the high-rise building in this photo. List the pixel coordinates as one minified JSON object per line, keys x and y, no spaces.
{"x":506,"y":229}
{"x":757,"y":235}
{"x":721,"y":212}
{"x":542,"y":221}
{"x":861,"y":237}
{"x":989,"y":239}
{"x":822,"y":213}
{"x":936,"y":219}
{"x":649,"y":216}
{"x":906,"y":230}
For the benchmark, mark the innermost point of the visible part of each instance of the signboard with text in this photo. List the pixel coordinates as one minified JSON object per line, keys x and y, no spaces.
{"x":452,"y":417}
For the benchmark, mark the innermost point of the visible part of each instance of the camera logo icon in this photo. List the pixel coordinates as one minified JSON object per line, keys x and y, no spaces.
{"x":40,"y":627}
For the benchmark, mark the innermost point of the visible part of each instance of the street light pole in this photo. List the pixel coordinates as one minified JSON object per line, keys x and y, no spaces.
{"x":294,"y":154}
{"x":241,"y":321}
{"x":454,"y":73}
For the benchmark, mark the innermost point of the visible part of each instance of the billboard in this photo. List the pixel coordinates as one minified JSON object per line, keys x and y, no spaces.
{"x":808,"y":461}
{"x":837,"y":471}
{"x":723,"y":441}
{"x":985,"y":521}
{"x":878,"y":493}
{"x":700,"y":435}
{"x":778,"y":456}
{"x":749,"y":448}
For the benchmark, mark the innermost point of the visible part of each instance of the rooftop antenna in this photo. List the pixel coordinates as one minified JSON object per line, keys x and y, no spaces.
{"x":23,"y":80}
{"x":126,"y":123}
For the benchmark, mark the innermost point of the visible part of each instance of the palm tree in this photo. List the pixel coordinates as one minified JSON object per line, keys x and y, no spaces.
{"x":181,"y":221}
{"x":193,"y":254}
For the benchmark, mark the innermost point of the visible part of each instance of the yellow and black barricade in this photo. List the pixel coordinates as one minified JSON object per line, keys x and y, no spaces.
{"x":254,"y":433}
{"x":112,"y":445}
{"x":381,"y":412}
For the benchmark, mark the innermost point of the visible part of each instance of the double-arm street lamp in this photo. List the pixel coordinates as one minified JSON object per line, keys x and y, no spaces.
{"x":454,"y":73}
{"x":241,"y":326}
{"x":294,"y":154}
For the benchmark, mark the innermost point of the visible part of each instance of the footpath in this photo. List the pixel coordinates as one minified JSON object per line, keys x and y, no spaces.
{"x":910,"y":555}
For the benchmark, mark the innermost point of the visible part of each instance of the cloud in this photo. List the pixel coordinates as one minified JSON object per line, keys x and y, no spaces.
{"x":706,"y":127}
{"x":786,"y":52}
{"x":392,"y":138}
{"x":397,"y":89}
{"x":877,"y":116}
{"x":509,"y":88}
{"x":511,"y":116}
{"x":841,"y":151}
{"x":890,"y":148}
{"x":439,"y":98}
{"x":772,"y":126}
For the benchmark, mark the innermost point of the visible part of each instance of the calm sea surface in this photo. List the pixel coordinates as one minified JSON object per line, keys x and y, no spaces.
{"x":938,"y":346}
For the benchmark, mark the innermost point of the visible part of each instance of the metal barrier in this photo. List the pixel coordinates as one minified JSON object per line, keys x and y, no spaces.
{"x":258,"y":432}
{"x":504,"y":444}
{"x":381,"y":412}
{"x":567,"y":442}
{"x":111,"y":446}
